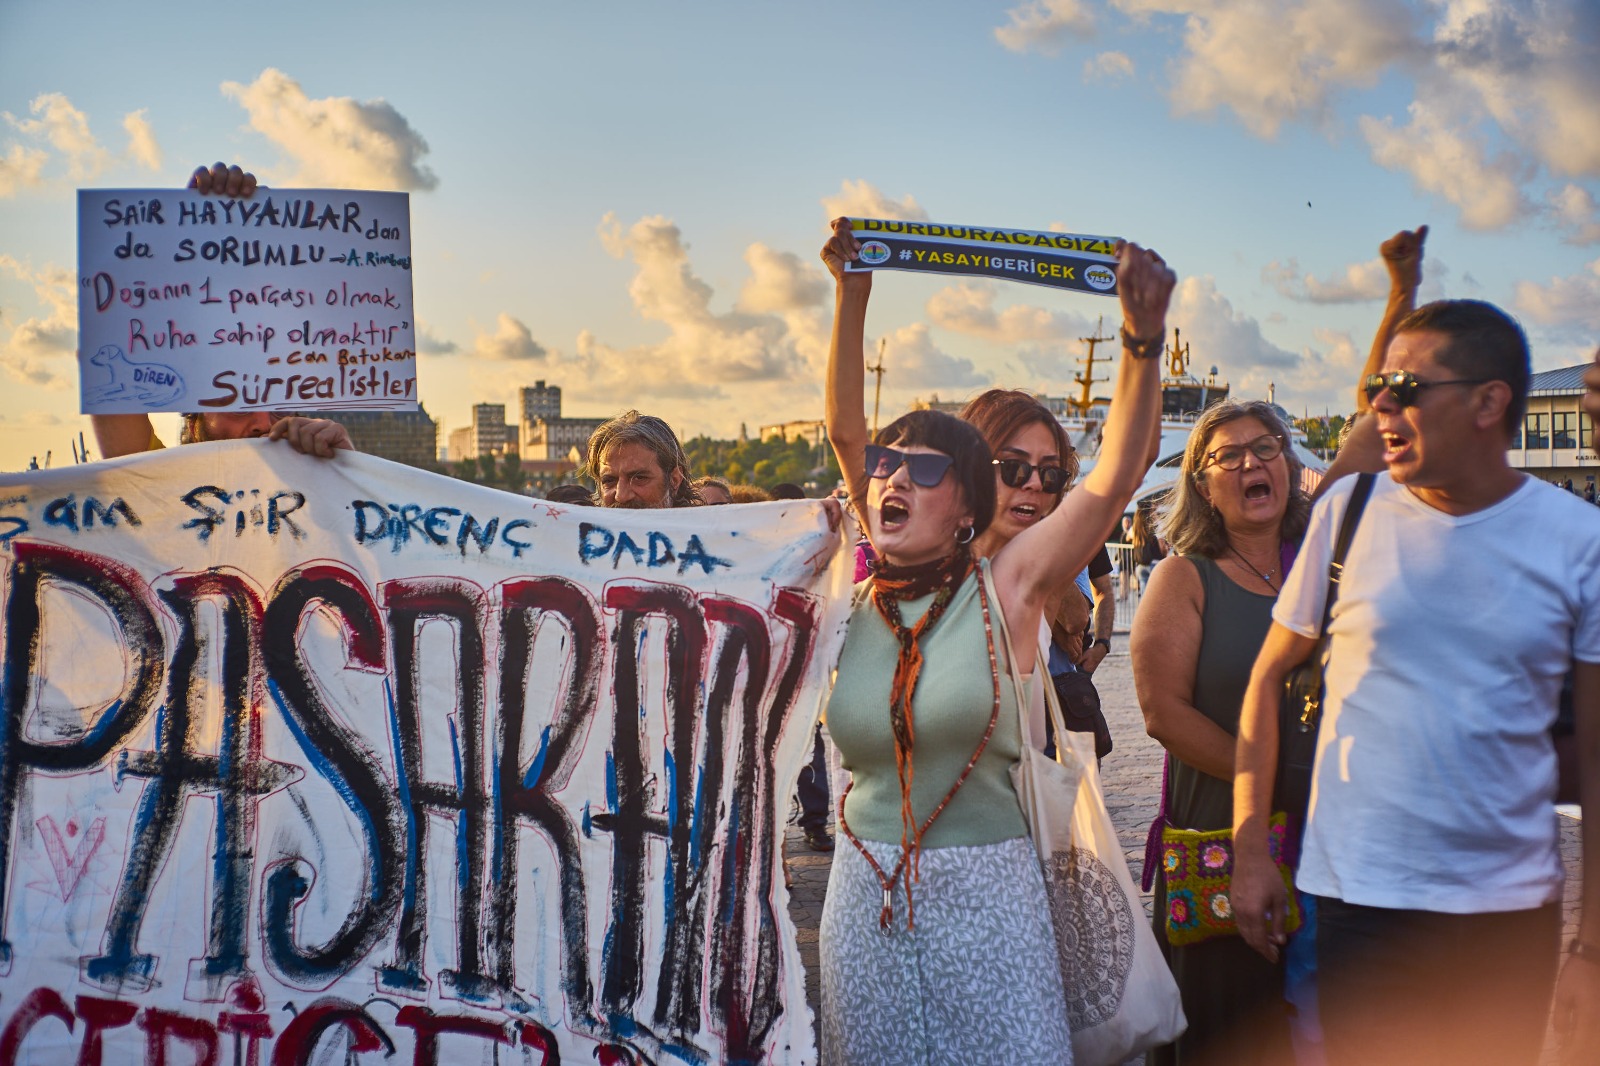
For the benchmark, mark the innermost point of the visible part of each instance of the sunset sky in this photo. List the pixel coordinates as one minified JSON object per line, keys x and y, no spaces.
{"x":627,"y":199}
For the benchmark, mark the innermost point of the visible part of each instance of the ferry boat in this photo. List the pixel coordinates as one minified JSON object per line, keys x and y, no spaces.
{"x":1183,"y":398}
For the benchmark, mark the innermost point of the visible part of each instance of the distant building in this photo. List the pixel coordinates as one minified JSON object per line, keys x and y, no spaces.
{"x":545,"y":474}
{"x":1556,"y":440}
{"x":410,"y":437}
{"x":813,"y":432}
{"x":933,"y":403}
{"x":551,"y":439}
{"x":540,"y":401}
{"x":489,"y":434}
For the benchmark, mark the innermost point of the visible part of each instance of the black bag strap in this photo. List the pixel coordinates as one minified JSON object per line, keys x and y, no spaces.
{"x":1341,"y":548}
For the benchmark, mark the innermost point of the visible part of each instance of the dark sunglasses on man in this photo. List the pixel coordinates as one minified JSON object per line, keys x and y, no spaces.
{"x":1016,"y":472}
{"x":926,"y":468}
{"x":1405,"y":388}
{"x":1265,"y":448}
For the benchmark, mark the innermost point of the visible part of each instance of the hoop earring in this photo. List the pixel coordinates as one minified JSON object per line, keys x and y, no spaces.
{"x":970,"y":533}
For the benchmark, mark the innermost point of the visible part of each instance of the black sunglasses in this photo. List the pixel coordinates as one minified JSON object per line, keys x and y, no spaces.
{"x":927,"y":468}
{"x":1016,"y":472}
{"x":1404,"y":386}
{"x":1265,"y":448}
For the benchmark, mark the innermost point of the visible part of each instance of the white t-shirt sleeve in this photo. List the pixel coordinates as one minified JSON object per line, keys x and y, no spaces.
{"x":1586,"y":634}
{"x":1301,"y":600}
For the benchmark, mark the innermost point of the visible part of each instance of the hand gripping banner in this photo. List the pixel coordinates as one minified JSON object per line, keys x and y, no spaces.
{"x":307,"y":761}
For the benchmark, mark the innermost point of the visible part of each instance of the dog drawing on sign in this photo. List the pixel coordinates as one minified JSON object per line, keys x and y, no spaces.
{"x":151,"y":385}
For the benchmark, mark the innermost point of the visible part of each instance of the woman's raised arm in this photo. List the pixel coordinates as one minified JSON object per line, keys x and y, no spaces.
{"x":1054,"y":550}
{"x":846,"y":391}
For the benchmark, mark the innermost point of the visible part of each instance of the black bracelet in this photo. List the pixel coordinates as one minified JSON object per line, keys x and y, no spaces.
{"x":1143,"y":347}
{"x":1581,"y":949}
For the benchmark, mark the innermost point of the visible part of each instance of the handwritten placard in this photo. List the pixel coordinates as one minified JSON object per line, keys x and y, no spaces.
{"x":293,"y":299}
{"x":1058,"y":260}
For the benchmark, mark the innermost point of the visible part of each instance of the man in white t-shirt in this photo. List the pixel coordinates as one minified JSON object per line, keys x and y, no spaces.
{"x":1469,"y":591}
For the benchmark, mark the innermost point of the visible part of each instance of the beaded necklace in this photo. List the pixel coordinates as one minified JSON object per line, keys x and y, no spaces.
{"x":911,"y":833}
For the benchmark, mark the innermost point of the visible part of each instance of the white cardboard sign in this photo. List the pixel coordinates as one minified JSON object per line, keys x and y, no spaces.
{"x":293,"y":299}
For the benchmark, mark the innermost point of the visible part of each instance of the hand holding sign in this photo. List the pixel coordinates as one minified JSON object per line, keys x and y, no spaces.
{"x":1147,"y":284}
{"x":222,"y":180}
{"x":841,"y":250}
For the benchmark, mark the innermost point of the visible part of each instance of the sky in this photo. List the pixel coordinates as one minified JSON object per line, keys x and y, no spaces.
{"x":627,"y":199}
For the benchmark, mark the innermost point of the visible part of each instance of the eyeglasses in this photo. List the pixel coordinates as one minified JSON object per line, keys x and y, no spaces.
{"x":1404,"y":386}
{"x":927,"y":468}
{"x":1016,"y":472}
{"x":1265,"y":448}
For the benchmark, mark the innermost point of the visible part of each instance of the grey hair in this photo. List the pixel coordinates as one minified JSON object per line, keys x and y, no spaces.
{"x":1188,"y":521}
{"x":631,"y":427}
{"x":194,"y":428}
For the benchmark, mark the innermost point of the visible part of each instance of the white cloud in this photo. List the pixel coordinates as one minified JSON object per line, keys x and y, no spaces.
{"x":783,"y":284}
{"x":1532,"y":67}
{"x":1503,"y":90}
{"x":1449,"y":161}
{"x":1108,"y":66}
{"x":142,"y":146}
{"x":968,"y":307}
{"x":1576,"y":213}
{"x":915,"y":364}
{"x":21,"y":168}
{"x":1569,"y":303}
{"x":1329,"y":374}
{"x":1277,"y":61}
{"x":780,"y":283}
{"x":776,"y":331}
{"x":1218,"y":332}
{"x":1358,"y":282}
{"x":1045,"y":25}
{"x":65,"y":130}
{"x":430,"y":343}
{"x":337,"y":141}
{"x":38,"y":350}
{"x":861,"y":199}
{"x":511,"y":341}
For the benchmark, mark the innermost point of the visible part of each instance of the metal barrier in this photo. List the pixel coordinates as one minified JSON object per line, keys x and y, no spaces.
{"x":1125,"y":581}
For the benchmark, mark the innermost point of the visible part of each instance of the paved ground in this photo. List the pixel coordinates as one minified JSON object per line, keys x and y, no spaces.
{"x":1131,"y":777}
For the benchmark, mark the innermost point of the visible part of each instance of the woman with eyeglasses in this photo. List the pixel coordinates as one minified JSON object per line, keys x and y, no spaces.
{"x":936,"y":942}
{"x":1234,"y":521}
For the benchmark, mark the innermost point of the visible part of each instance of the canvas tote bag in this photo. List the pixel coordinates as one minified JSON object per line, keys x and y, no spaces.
{"x":1121,"y":998}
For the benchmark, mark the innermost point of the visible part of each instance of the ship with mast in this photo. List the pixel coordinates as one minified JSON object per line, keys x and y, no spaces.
{"x":1183,"y":397}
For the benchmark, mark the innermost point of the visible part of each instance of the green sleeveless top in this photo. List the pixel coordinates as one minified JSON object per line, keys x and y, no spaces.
{"x":950,"y":710}
{"x":1233,"y":626}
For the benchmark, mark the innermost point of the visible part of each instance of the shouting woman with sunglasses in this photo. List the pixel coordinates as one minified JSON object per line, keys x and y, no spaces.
{"x":936,"y":941}
{"x":1234,"y":520}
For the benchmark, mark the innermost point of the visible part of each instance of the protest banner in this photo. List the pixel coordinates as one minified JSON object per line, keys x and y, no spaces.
{"x":290,"y":300}
{"x":1058,"y":260}
{"x":304,"y":758}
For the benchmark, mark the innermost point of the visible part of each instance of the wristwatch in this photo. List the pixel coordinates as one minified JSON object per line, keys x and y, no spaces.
{"x":1099,"y":641}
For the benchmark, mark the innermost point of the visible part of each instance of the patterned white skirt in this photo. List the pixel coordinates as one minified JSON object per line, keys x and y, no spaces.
{"x":975,"y":982}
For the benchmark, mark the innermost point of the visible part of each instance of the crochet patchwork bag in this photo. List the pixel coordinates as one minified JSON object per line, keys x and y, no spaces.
{"x":1199,"y":874}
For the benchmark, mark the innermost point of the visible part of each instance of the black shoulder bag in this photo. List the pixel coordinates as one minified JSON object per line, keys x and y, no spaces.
{"x":1300,"y":709}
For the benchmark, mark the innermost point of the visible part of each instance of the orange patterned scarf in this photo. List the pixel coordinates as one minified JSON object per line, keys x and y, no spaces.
{"x":890,"y":586}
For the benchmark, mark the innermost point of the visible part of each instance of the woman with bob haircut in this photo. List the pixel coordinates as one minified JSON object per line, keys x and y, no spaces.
{"x":1234,"y":519}
{"x":936,"y":942}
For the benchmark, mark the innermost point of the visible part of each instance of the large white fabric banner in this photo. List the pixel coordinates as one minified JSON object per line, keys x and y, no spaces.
{"x":312,"y":761}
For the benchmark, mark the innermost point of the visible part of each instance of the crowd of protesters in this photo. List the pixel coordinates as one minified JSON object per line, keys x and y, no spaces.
{"x":1421,"y":921}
